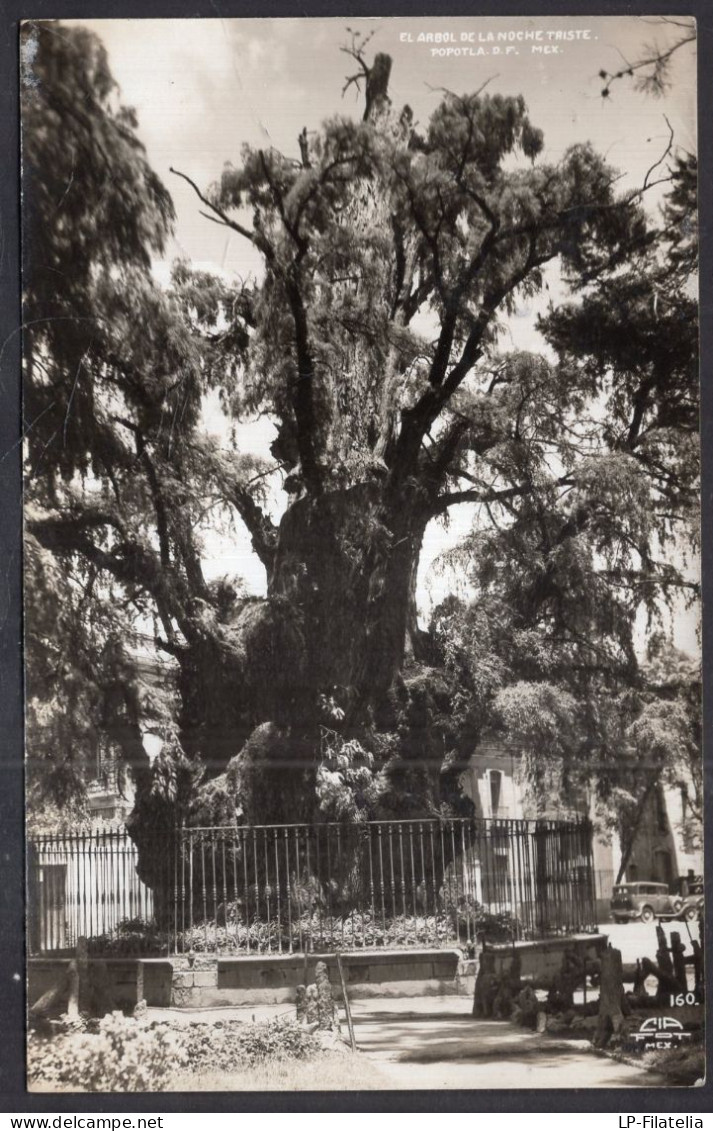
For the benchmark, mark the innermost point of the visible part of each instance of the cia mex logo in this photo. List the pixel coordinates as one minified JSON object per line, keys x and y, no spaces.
{"x":659,"y":1033}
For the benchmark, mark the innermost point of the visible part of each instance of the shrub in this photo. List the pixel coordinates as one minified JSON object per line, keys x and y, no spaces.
{"x":130,"y":937}
{"x":122,"y":1055}
{"x":224,"y":1046}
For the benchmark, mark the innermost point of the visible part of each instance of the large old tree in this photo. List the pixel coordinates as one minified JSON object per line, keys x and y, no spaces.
{"x":391,"y":260}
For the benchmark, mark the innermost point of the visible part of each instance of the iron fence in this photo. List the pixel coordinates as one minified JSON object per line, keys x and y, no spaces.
{"x":286,"y":888}
{"x":320,"y":887}
{"x":83,"y":884}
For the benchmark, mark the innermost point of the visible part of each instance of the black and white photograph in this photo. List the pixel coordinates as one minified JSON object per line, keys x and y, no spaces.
{"x":361,"y":474}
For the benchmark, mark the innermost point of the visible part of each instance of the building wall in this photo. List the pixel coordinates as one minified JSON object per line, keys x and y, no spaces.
{"x":661,"y":851}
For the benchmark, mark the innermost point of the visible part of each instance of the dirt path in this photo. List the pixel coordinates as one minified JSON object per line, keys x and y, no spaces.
{"x":435,"y":1043}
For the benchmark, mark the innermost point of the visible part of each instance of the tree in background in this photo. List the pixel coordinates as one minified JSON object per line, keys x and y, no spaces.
{"x":392,"y":259}
{"x":650,"y":72}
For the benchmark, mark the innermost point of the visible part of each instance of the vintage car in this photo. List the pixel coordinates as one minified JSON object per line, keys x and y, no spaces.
{"x":643,"y":901}
{"x":693,"y":901}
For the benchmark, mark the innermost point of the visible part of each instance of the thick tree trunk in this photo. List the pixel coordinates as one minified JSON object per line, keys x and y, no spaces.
{"x":253,"y":686}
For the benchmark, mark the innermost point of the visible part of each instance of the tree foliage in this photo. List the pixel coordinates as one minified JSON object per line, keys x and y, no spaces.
{"x":392,"y":258}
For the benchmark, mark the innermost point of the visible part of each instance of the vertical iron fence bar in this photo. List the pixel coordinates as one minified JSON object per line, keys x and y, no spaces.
{"x":47,"y":936}
{"x":107,"y":892}
{"x":483,"y":864}
{"x":474,"y":827}
{"x":201,"y":841}
{"x":392,"y":873}
{"x":138,"y":890}
{"x":97,"y":860}
{"x":518,"y":898}
{"x":413,"y":883}
{"x":74,"y":896}
{"x":553,"y":871}
{"x":298,"y":889}
{"x":456,"y":871}
{"x":214,"y":889}
{"x":371,"y":883}
{"x":359,"y":874}
{"x":328,"y":834}
{"x":463,"y":862}
{"x":183,"y":887}
{"x":319,"y":890}
{"x":592,"y":914}
{"x":474,"y":875}
{"x":85,"y":924}
{"x":191,"y":888}
{"x":127,"y":903}
{"x":41,"y":912}
{"x":92,"y":887}
{"x":224,"y":877}
{"x":257,"y":892}
{"x":101,"y":879}
{"x":127,"y":874}
{"x":308,"y":894}
{"x":340,"y":880}
{"x":446,"y":876}
{"x":268,"y":889}
{"x":424,"y":882}
{"x":278,"y":912}
{"x":246,"y":886}
{"x":466,"y":833}
{"x":122,"y":908}
{"x":233,"y":852}
{"x":174,"y":948}
{"x":112,"y":892}
{"x":403,"y":875}
{"x":382,"y":881}
{"x":434,"y":886}
{"x":48,"y":920}
{"x":527,"y":854}
{"x":288,"y":886}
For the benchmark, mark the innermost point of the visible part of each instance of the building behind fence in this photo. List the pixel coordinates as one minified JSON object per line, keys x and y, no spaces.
{"x":321,"y":887}
{"x":83,"y":884}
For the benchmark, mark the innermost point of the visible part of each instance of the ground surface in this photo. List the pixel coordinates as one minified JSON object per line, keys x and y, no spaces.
{"x":444,"y":1047}
{"x":638,"y":940}
{"x":435,"y":1043}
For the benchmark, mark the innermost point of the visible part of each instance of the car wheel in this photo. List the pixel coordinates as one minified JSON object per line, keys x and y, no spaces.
{"x":690,"y":913}
{"x":677,"y":905}
{"x":647,"y":914}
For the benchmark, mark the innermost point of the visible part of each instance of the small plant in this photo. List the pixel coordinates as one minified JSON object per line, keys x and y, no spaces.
{"x":457,"y":925}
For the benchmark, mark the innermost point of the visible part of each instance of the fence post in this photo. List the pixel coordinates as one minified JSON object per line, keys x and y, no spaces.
{"x":347,"y":1007}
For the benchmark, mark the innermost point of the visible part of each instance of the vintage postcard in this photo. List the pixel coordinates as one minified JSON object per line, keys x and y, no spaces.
{"x":362,"y":564}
